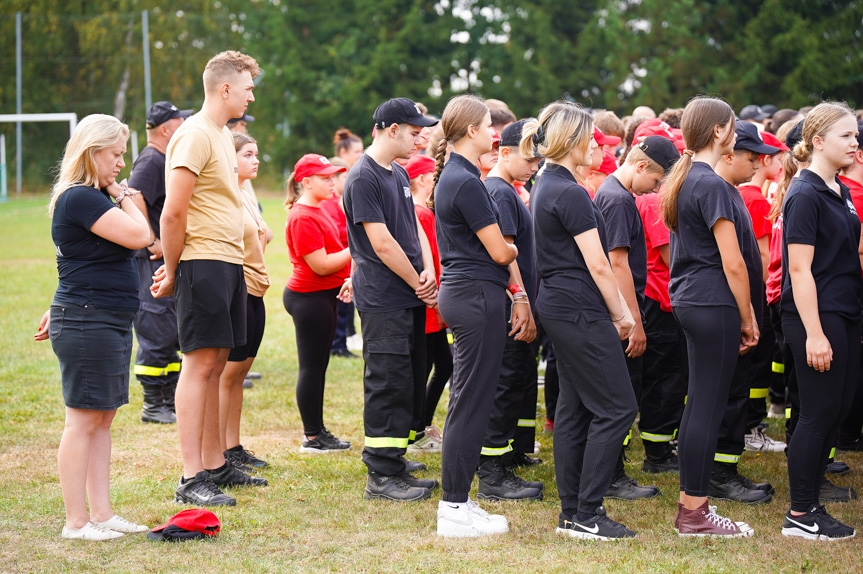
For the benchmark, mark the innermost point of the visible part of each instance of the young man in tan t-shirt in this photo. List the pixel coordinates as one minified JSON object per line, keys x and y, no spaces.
{"x":202,"y":240}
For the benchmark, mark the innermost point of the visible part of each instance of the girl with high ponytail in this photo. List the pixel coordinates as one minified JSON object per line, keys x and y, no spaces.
{"x":820,"y":308}
{"x":709,"y":292}
{"x":585,"y":316}
{"x":475,"y":259}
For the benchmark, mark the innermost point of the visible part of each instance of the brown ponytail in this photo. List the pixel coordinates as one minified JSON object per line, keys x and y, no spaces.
{"x":293,"y":191}
{"x":439,"y":157}
{"x":700,"y":116}
{"x":343,"y":140}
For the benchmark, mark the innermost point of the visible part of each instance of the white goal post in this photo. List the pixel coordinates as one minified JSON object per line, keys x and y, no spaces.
{"x":16,"y":118}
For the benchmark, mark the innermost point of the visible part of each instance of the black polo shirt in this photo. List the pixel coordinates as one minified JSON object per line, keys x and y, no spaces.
{"x":515,"y":220}
{"x":697,"y":278}
{"x":561,"y":210}
{"x":463,"y":207}
{"x":624,"y":228}
{"x":148,"y":177}
{"x":750,"y":252}
{"x":814,"y":215}
{"x":374,"y":194}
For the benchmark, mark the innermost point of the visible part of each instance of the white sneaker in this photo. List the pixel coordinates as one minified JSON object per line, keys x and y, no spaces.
{"x":119,"y":524}
{"x":757,"y":441}
{"x":536,"y":447}
{"x":90,"y":531}
{"x":776,"y":411}
{"x":354,"y":342}
{"x":467,"y":520}
{"x":432,"y":441}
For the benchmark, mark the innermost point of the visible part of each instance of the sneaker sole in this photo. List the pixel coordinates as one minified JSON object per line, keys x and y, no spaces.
{"x":424,"y":450}
{"x":746,"y":534}
{"x":312,"y":450}
{"x":180,"y":499}
{"x":469,"y":532}
{"x":588,"y":536}
{"x":797,"y":533}
{"x":483,"y":496}
{"x":367,"y":495}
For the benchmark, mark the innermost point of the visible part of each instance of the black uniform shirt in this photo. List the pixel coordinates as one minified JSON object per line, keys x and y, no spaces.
{"x":561,"y":210}
{"x":624,"y":227}
{"x":515,"y":220}
{"x":373,"y":194}
{"x":463,"y":207}
{"x":814,"y":215}
{"x":148,"y":177}
{"x":750,"y":252}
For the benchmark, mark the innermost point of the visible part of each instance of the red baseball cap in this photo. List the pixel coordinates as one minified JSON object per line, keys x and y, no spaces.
{"x":609,"y":163}
{"x":419,"y":164}
{"x":652,"y":127}
{"x":314,"y":164}
{"x":603,"y":139}
{"x":188,"y":524}
{"x":495,"y":137}
{"x":774,"y":141}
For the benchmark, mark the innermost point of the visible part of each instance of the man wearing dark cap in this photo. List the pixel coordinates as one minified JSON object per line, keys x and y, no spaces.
{"x":754,"y":114}
{"x":240,"y":124}
{"x":726,"y":482}
{"x":157,"y":364}
{"x":392,"y":282}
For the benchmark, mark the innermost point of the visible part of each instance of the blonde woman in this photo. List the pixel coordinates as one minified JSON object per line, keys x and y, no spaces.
{"x":95,"y":228}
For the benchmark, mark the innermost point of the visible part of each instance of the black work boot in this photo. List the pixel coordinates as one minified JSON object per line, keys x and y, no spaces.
{"x":497,"y":482}
{"x":382,"y":487}
{"x":625,"y":488}
{"x":154,"y":409}
{"x":659,"y":458}
{"x":727,"y":484}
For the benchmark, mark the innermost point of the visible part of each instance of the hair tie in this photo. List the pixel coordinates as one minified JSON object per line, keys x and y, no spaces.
{"x":539,"y":136}
{"x":688,"y":152}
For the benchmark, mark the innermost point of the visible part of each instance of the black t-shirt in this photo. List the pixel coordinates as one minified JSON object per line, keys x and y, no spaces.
{"x":148,"y":177}
{"x":750,"y":252}
{"x":91,"y":269}
{"x":814,"y":215}
{"x":624,"y":228}
{"x":373,"y":194}
{"x":515,"y":220}
{"x":561,"y":210}
{"x":697,"y":276}
{"x":463,"y":207}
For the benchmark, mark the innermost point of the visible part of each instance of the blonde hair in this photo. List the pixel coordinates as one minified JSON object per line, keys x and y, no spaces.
{"x":817,"y":123}
{"x":460,"y":113}
{"x":636,"y":155}
{"x":78,"y":166}
{"x":293,"y":191}
{"x":224,"y":66}
{"x":561,"y":127}
{"x":700,"y":116}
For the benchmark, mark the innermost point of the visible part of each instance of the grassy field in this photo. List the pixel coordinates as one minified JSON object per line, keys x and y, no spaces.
{"x":312,"y":516}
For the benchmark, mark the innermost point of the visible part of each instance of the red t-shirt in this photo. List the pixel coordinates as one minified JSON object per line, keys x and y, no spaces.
{"x":774,"y":268}
{"x":856,"y":194}
{"x":332,"y":208}
{"x":307,"y":230}
{"x":656,"y":235}
{"x":426,"y":217}
{"x":759,"y":209}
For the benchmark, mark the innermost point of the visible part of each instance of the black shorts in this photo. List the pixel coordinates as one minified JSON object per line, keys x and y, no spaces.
{"x":256,"y":318}
{"x":211,"y":305}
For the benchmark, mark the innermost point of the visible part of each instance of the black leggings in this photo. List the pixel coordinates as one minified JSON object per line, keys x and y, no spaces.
{"x":712,"y":341}
{"x":315,"y":317}
{"x":825,"y":399}
{"x":439,"y":356}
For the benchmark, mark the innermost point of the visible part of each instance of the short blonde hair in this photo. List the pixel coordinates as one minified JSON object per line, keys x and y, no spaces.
{"x":636,"y":155}
{"x":225,"y":66}
{"x":78,"y":166}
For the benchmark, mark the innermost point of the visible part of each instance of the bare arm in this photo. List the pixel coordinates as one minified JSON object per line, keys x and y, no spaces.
{"x":173,"y":227}
{"x":523,"y":324}
{"x":600,"y":270}
{"x":125,"y":226}
{"x":499,"y":250}
{"x":623,"y":275}
{"x":324,"y":263}
{"x":819,"y":353}
{"x":391,"y":253}
{"x":738,"y":280}
{"x":764,"y":248}
{"x":155,"y":245}
{"x":665,"y":253}
{"x":428,"y":283}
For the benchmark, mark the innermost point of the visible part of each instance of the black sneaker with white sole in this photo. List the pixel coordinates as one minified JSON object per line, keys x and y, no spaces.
{"x":816,"y":524}
{"x":598,"y":527}
{"x":323,"y":442}
{"x":245,"y":457}
{"x":201,"y":491}
{"x":229,"y":475}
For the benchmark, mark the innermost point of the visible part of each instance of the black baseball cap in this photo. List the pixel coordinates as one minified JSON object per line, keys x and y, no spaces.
{"x":749,"y":139}
{"x":511,"y":136}
{"x":753,"y":112}
{"x":860,"y":135}
{"x":401,"y":111}
{"x":243,"y":118}
{"x":661,"y":150}
{"x":769,"y":109}
{"x":161,"y":112}
{"x":794,"y":135}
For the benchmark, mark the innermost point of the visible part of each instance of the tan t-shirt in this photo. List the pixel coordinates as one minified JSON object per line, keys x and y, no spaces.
{"x":254,"y":241}
{"x":214,"y":225}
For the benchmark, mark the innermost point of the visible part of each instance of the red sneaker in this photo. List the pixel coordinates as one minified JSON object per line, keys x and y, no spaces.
{"x":704,"y":521}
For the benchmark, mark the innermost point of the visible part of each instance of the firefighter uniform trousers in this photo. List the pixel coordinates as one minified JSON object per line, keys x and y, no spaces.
{"x":157,"y":361}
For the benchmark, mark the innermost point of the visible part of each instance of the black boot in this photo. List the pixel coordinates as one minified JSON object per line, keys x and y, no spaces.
{"x":626,"y":488}
{"x":497,"y":482}
{"x":659,"y":458}
{"x":154,"y":409}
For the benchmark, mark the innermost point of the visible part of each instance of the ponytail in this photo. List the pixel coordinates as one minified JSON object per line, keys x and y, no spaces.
{"x":439,"y":157}
{"x":789,"y":167}
{"x":673,"y":184}
{"x":293,"y":191}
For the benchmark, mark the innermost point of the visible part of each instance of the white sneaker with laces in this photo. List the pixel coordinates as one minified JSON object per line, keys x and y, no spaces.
{"x":120,"y":524}
{"x":757,"y":441}
{"x":432,"y":441}
{"x":467,"y":520}
{"x":90,"y":531}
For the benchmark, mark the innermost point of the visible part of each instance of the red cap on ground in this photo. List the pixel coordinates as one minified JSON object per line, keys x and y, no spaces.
{"x":603,"y":139}
{"x":419,"y":164}
{"x":314,"y":164}
{"x":194,"y":520}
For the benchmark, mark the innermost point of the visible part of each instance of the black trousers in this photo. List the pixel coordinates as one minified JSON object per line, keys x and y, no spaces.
{"x":712,"y":341}
{"x":761,"y":369}
{"x":595,"y":409}
{"x":474,"y":310}
{"x":525,"y":432}
{"x":664,"y":378}
{"x":439,"y":358}
{"x":849,"y":430}
{"x":788,"y":371}
{"x":394,"y":384}
{"x":552,"y":382}
{"x":157,"y":361}
{"x":314,"y":316}
{"x":825,"y":400}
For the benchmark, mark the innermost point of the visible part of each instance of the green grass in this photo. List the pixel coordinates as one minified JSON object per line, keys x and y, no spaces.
{"x":312,"y":516}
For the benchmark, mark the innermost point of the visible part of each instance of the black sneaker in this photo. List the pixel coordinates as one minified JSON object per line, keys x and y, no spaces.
{"x":344,"y":444}
{"x":380,"y":487}
{"x":670,"y":464}
{"x":428,"y":483}
{"x":324,"y":442}
{"x":498,"y":482}
{"x":235,"y":460}
{"x":729,"y":485}
{"x":838,"y":467}
{"x":829,"y":492}
{"x":414,"y":466}
{"x":246,"y":457}
{"x":816,"y":524}
{"x":598,"y":527}
{"x":524,"y":459}
{"x":201,"y":491}
{"x":626,"y":488}
{"x":229,"y":475}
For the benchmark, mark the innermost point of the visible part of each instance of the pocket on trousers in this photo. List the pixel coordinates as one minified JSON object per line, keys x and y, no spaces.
{"x":55,"y":329}
{"x":389,"y":346}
